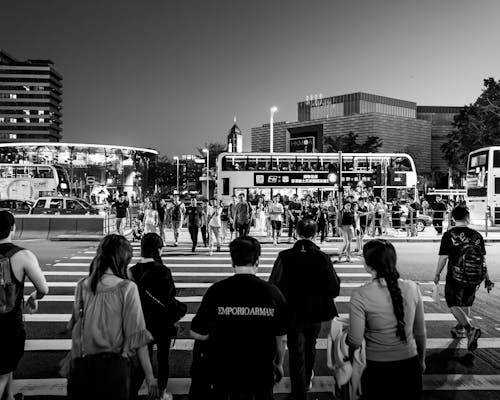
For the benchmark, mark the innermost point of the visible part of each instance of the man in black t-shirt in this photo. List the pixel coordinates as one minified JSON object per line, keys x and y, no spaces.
{"x":460,"y":295}
{"x":244,"y":321}
{"x":121,"y":207}
{"x":294,"y":213}
{"x":194,"y":221}
{"x":438,"y":211}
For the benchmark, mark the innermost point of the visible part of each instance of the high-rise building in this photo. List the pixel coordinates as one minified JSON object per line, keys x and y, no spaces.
{"x":30,"y":100}
{"x":235,"y":139}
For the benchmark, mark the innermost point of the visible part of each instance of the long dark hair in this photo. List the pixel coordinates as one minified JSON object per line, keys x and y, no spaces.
{"x":380,"y":255}
{"x":114,"y":252}
{"x":150,"y":244}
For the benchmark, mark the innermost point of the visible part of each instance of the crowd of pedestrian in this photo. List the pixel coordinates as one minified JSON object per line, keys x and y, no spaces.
{"x":243,"y":323}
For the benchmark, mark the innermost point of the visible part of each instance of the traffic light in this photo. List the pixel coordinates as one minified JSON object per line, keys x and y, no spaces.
{"x":333,"y":175}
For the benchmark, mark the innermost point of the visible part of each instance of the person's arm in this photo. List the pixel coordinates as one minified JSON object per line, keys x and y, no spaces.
{"x":200,"y":325}
{"x":332,"y":279}
{"x":151,"y":383}
{"x":34,"y":273}
{"x":444,"y":251}
{"x":277,"y":272}
{"x":280,"y":357}
{"x":419,"y":331}
{"x":357,"y":322}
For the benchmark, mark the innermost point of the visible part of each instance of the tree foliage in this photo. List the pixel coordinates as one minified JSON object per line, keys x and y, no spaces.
{"x":214,"y":149}
{"x":477,"y":125}
{"x":349,"y":144}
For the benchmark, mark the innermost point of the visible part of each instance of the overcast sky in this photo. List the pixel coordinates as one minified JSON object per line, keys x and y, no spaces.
{"x":172,"y":74}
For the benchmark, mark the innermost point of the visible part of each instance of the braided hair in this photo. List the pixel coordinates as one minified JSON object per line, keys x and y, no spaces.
{"x":114,"y":252}
{"x":380,"y":255}
{"x":151,"y":243}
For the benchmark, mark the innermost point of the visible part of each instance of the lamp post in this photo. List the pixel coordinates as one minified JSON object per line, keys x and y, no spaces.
{"x":208,"y":173}
{"x":176,"y":159}
{"x":271,"y":128}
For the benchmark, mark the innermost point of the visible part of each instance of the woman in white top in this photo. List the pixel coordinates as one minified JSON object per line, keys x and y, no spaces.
{"x":214,"y":225}
{"x":388,"y":314}
{"x":150,"y":218}
{"x":276,"y":211}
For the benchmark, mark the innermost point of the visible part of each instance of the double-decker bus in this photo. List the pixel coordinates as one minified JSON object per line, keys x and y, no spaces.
{"x":483,"y":184}
{"x":390,"y":175}
{"x":30,"y":181}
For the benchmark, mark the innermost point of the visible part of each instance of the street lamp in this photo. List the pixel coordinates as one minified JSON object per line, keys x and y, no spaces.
{"x":176,"y":159}
{"x":208,"y":182}
{"x":271,"y":128}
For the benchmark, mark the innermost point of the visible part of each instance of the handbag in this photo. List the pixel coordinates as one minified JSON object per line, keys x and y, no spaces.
{"x":97,"y":376}
{"x":174,"y":311}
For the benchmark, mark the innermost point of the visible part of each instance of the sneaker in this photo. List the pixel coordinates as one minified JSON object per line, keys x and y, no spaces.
{"x":176,"y":244}
{"x":458,"y":333}
{"x":166,"y":396}
{"x":211,"y":252}
{"x":472,"y":336}
{"x":310,"y":386}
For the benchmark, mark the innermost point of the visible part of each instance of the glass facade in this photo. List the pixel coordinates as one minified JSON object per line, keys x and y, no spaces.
{"x":90,"y":167}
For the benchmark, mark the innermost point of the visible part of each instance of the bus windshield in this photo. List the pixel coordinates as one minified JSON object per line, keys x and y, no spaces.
{"x":477,"y":174}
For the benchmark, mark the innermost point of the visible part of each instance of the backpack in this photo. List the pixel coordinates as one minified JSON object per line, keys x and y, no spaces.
{"x":8,"y":288}
{"x":176,"y":213}
{"x":470,"y":268}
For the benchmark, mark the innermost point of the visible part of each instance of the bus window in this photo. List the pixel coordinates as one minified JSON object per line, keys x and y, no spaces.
{"x":496,"y":159}
{"x":56,"y":203}
{"x":40,"y":204}
{"x":401,"y":164}
{"x":497,"y":185}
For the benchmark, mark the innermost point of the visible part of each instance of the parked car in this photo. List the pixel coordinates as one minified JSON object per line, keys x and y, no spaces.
{"x":16,"y":206}
{"x":422,"y":222}
{"x":63,"y":205}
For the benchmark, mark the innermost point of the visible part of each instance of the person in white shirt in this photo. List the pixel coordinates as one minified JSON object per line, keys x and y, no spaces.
{"x":276,"y":211}
{"x":214,"y":212}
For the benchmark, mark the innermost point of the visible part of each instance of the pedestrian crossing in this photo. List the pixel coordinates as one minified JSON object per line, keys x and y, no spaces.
{"x":48,"y":341}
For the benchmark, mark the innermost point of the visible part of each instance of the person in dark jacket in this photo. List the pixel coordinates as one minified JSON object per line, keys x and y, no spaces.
{"x":157,"y":293}
{"x":306,"y":277}
{"x":195,"y":220}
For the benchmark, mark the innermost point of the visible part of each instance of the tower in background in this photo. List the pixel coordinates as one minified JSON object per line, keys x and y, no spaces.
{"x":235,"y":139}
{"x":30,"y":100}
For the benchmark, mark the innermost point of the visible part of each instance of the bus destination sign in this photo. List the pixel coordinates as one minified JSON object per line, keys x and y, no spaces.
{"x":291,"y":179}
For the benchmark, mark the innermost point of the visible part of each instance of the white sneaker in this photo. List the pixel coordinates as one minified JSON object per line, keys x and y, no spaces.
{"x":309,"y":388}
{"x":166,"y":396}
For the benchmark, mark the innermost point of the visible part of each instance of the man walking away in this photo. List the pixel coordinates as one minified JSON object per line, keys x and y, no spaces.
{"x":438,"y":211}
{"x":244,"y":320}
{"x":162,"y":214}
{"x":178,"y":211}
{"x":243,"y":214}
{"x":121,"y":208}
{"x":294,"y":212}
{"x":306,"y":277}
{"x":194,"y":220}
{"x":462,"y":248}
{"x":15,"y":264}
{"x":232,"y":216}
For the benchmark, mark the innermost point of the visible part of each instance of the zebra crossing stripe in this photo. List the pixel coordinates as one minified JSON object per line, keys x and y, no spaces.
{"x":189,"y":317}
{"x":321,"y":344}
{"x":321,"y":384}
{"x":196,"y":299}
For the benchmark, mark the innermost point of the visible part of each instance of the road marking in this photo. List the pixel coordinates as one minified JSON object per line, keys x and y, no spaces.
{"x":197,"y":299}
{"x":321,"y":344}
{"x":189,"y":317}
{"x":321,"y":384}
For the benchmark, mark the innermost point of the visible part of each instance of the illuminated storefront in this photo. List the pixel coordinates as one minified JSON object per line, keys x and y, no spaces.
{"x":91,"y":168}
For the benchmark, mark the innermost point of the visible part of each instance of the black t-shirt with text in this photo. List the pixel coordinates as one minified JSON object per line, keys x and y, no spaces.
{"x":242,"y":316}
{"x":451,"y":247}
{"x":121,"y":208}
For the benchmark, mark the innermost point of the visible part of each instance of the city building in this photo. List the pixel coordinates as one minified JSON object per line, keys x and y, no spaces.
{"x":191,"y":169}
{"x":401,"y":125}
{"x":235,"y":139}
{"x":90,"y":168}
{"x":30,"y":100}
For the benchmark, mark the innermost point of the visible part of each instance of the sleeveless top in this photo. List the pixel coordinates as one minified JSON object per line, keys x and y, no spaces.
{"x":15,"y":317}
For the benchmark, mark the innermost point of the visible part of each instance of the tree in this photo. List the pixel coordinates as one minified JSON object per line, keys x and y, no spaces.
{"x":349,"y":144}
{"x":477,"y":125}
{"x":214,"y":149}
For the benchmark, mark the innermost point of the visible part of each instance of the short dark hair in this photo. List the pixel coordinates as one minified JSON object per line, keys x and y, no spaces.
{"x":307,"y":228}
{"x":7,"y":221}
{"x":460,"y":213}
{"x":245,"y":250}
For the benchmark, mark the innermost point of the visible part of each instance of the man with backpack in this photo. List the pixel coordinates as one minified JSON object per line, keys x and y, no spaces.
{"x":306,"y":277}
{"x":462,"y":249}
{"x":15,"y":264}
{"x":178,"y":211}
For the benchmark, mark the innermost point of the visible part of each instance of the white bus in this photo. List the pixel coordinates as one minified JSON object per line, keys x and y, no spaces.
{"x":483,"y":184}
{"x":390,"y":175}
{"x":30,"y":181}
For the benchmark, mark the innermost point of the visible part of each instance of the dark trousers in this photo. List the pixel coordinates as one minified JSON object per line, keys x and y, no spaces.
{"x":396,"y":220}
{"x":438,"y":224}
{"x":193,"y":231}
{"x":242,"y":228}
{"x":302,"y":352}
{"x":393,"y":380}
{"x":204,"y":235}
{"x":333,"y":227}
{"x":291,"y":228}
{"x":378,"y":226}
{"x":323,"y":230}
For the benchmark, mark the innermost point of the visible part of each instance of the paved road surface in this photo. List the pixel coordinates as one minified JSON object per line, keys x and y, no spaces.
{"x":452,"y":372}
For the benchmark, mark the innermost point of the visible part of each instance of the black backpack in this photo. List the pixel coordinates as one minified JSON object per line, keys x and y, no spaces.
{"x":470,"y":267}
{"x":8,"y":288}
{"x":176,"y":213}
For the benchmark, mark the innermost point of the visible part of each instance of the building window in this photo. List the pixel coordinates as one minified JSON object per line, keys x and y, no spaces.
{"x":13,"y":120}
{"x":12,"y":136}
{"x":41,"y":120}
{"x":40,"y":112}
{"x":27,"y":120}
{"x":13,"y":96}
{"x":2,"y":119}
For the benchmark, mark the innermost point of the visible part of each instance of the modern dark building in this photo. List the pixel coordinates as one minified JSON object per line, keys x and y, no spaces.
{"x":401,"y":125}
{"x":30,"y":100}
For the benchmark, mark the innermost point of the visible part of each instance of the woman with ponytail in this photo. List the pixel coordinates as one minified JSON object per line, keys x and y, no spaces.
{"x":157,"y":292}
{"x":388,"y":314}
{"x":108,"y":329}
